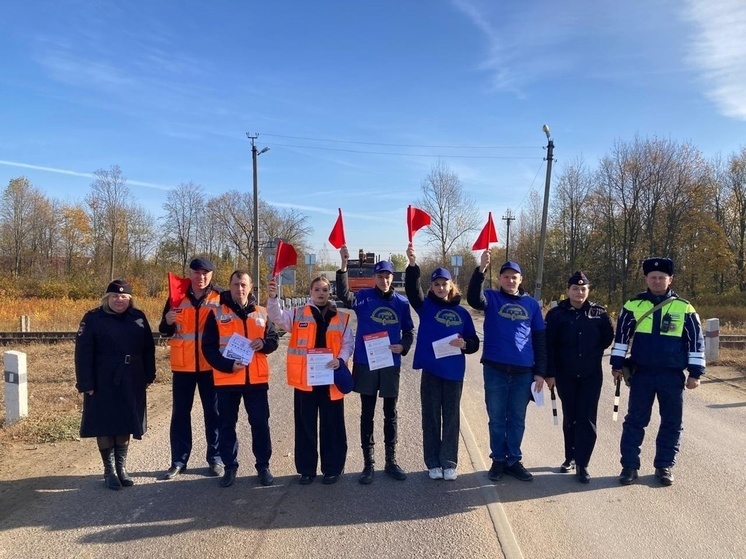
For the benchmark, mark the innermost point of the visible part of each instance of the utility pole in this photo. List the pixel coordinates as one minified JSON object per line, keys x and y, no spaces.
{"x":543,"y":238}
{"x":508,"y":218}
{"x":255,"y":258}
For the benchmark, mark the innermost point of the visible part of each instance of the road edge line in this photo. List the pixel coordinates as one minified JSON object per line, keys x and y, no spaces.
{"x":503,"y":530}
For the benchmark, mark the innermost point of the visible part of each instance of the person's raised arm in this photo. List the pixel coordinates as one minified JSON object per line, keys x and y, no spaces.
{"x":412,"y":286}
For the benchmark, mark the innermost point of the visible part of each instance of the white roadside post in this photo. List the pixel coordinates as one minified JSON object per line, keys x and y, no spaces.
{"x":712,"y":339}
{"x":16,"y":390}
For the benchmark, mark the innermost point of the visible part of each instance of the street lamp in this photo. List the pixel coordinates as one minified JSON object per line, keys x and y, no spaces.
{"x":543,"y":237}
{"x":255,"y":270}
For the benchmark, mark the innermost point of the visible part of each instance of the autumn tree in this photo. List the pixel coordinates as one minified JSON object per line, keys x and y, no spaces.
{"x":185,"y":215}
{"x":454,"y":214}
{"x":108,"y":202}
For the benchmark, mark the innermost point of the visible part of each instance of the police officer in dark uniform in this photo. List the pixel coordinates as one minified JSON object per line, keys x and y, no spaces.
{"x":578,"y":332}
{"x":666,"y":342}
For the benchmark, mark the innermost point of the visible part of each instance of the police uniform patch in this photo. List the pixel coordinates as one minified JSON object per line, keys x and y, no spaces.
{"x":80,"y":328}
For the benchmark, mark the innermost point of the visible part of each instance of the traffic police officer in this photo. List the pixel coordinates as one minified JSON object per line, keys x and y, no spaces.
{"x":666,"y":342}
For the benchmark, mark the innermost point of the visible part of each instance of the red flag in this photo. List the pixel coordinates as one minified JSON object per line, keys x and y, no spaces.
{"x":284,"y":257}
{"x":337,"y":236}
{"x":416,"y":220}
{"x":177,"y":289}
{"x":487,"y":236}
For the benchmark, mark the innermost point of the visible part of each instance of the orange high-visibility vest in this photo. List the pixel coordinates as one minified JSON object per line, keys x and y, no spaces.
{"x":253,"y":327}
{"x":186,"y":343}
{"x":303,"y":338}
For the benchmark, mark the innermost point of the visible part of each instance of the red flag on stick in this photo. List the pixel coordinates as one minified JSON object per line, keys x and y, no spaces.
{"x":337,"y":236}
{"x":284,"y":257}
{"x":487,"y":236}
{"x":177,"y":289}
{"x":416,"y":220}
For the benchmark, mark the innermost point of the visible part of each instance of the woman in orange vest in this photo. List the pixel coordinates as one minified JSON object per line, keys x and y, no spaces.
{"x":318,"y":404}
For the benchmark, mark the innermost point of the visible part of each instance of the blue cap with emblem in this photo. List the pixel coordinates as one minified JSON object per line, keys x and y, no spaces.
{"x":383,"y":266}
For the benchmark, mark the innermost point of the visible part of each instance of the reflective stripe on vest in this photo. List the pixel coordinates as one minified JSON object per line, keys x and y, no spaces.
{"x":303,"y":338}
{"x":229,"y":323}
{"x":675,"y":310}
{"x":186,"y":351}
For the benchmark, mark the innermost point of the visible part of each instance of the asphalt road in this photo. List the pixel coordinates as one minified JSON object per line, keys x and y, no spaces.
{"x":552,"y":517}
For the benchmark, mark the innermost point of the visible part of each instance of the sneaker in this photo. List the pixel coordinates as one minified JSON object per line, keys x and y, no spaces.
{"x":519,"y":472}
{"x":567,"y":466}
{"x":496,"y":470}
{"x":435,"y":473}
{"x":664,"y":475}
{"x":449,"y":474}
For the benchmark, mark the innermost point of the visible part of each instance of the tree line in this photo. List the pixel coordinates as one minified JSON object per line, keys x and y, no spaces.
{"x":647,"y":196}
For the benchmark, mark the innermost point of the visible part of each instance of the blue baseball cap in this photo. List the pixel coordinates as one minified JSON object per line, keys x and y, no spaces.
{"x":510,"y":265}
{"x":440,"y":273}
{"x":343,"y":378}
{"x":383,"y":266}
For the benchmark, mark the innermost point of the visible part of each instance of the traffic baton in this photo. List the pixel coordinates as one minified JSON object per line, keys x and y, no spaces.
{"x":554,"y":406}
{"x":615,"y":415}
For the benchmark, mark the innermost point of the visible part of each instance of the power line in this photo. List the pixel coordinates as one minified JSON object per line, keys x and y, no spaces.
{"x":395,"y":145}
{"x":447,"y":156}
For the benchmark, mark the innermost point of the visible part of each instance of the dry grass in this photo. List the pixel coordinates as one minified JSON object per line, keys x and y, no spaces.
{"x":54,"y":404}
{"x":63,"y":314}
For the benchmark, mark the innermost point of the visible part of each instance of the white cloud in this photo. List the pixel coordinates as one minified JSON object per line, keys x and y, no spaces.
{"x":76,"y":173}
{"x":718,"y":50}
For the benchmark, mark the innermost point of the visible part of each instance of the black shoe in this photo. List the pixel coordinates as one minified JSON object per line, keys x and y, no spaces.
{"x":265,"y":477}
{"x":628,"y":476}
{"x":173,"y":472}
{"x":329,"y":479}
{"x":567,"y":466}
{"x":519,"y":472}
{"x":229,"y":476}
{"x":393,"y":469}
{"x":583,"y":475}
{"x":366,"y":476}
{"x":306,"y":479}
{"x":217,"y":469}
{"x":664,"y":475}
{"x":496,"y":470}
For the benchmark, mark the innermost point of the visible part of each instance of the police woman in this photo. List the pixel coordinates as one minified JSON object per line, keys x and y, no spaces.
{"x":578,"y":332}
{"x":441,"y":317}
{"x":114,"y":364}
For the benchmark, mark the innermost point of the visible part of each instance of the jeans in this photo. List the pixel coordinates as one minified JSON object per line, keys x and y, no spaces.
{"x":506,"y":395}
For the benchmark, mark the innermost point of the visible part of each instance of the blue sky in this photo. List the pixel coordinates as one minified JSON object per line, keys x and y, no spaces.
{"x":168,"y":90}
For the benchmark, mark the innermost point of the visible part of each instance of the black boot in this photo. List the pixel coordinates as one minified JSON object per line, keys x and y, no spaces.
{"x":120,"y":456}
{"x":392,"y":468}
{"x":110,"y":477}
{"x":366,"y":476}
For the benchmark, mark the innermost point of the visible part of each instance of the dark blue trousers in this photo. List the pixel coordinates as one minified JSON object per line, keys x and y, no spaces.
{"x":645,"y":387}
{"x":256,"y":404}
{"x":182,"y":392}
